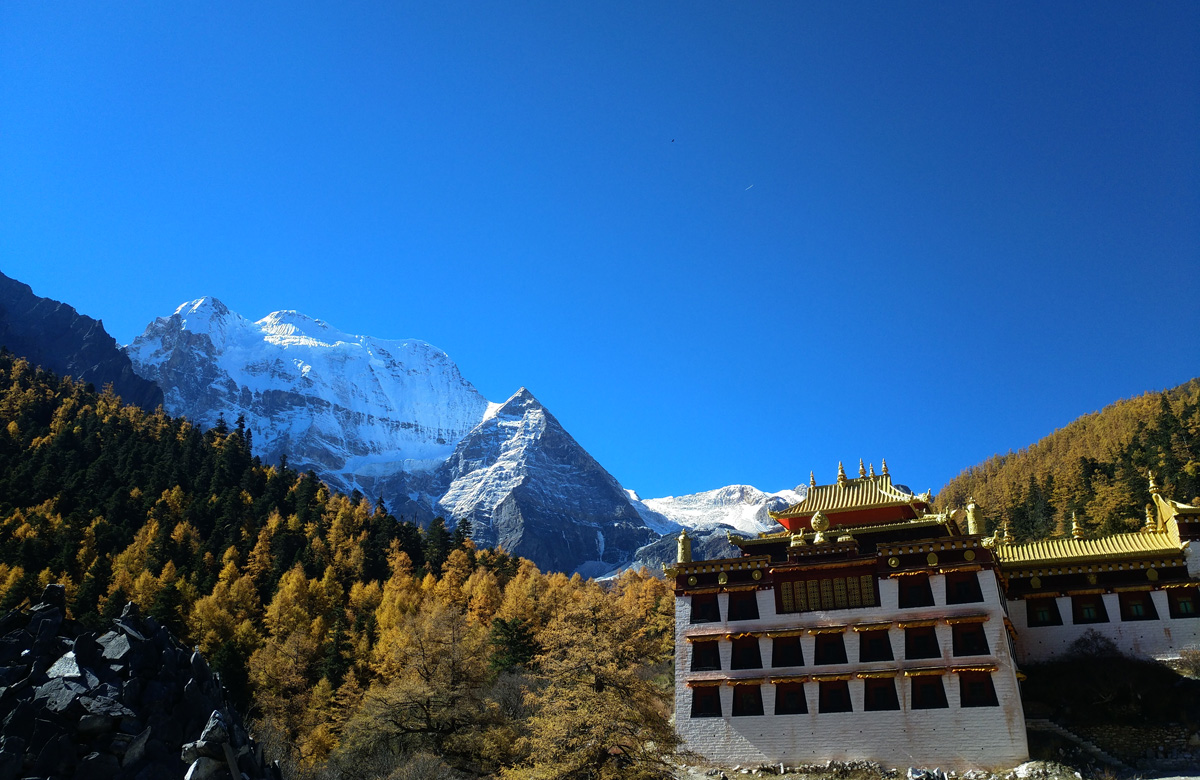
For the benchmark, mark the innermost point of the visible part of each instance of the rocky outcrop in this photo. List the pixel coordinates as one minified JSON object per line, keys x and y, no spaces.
{"x":130,"y":703}
{"x":56,"y":337}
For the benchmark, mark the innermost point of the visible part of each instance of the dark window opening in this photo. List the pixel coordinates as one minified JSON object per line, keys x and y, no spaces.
{"x":928,"y":693}
{"x":963,"y":588}
{"x":830,"y":649}
{"x":834,"y":696}
{"x":785,"y":651}
{"x":789,"y":699}
{"x":915,"y":591}
{"x":880,"y":694}
{"x":706,"y":656}
{"x":705,"y":608}
{"x":969,"y":639}
{"x":874,"y":646}
{"x":976,"y":690}
{"x":1137,"y":606}
{"x":1183,"y":602}
{"x":743,"y":605}
{"x":747,"y":700}
{"x":1088,"y":609}
{"x":706,"y":701}
{"x":1043,"y":612}
{"x":921,"y":643}
{"x":745,"y":654}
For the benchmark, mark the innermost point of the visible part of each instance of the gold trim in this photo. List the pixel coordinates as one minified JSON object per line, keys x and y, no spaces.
{"x":881,"y":674}
{"x":704,"y":637}
{"x":703,"y":683}
{"x":975,"y":668}
{"x":1088,"y":592}
{"x":872,"y":626}
{"x":827,"y":630}
{"x":739,"y":588}
{"x":793,"y":679}
{"x":1133,"y":588}
{"x":1170,"y":585}
{"x":918,"y":623}
{"x":743,"y":635}
{"x":1012,"y":630}
{"x":745,"y":681}
{"x":926,"y":671}
{"x":954,"y":620}
{"x":961,"y":568}
{"x":832,"y":677}
{"x":789,"y":632}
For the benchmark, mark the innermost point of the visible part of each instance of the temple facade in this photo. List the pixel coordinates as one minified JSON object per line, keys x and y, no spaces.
{"x":870,"y":627}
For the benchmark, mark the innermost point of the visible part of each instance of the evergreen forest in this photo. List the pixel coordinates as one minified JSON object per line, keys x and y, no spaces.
{"x":1095,"y":469}
{"x":357,"y":644}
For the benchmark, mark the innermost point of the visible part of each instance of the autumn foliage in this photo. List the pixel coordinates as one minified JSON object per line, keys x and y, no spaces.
{"x":359,"y":644}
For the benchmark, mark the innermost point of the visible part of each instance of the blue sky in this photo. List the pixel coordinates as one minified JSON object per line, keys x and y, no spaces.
{"x":722,"y":242}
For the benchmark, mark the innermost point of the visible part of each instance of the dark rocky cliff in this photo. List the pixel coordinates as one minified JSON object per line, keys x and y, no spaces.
{"x":129,"y":704}
{"x":56,"y":337}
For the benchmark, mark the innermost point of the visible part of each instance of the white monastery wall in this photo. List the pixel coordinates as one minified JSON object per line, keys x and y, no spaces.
{"x":1160,"y":638}
{"x":954,"y":737}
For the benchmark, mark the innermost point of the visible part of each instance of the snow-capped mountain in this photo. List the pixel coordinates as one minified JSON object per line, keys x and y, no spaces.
{"x":345,"y":406}
{"x":709,"y":517}
{"x":395,"y":419}
{"x":740,"y":507}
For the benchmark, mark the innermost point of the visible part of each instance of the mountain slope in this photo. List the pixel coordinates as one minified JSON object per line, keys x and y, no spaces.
{"x":55,"y":336}
{"x":1096,"y":467}
{"x":339,"y":404}
{"x":395,"y":419}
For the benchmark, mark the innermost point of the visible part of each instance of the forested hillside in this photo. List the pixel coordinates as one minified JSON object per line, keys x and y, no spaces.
{"x":1095,"y":467}
{"x":356,"y":641}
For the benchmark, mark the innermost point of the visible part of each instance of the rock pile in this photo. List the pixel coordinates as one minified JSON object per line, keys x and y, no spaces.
{"x":133,"y":703}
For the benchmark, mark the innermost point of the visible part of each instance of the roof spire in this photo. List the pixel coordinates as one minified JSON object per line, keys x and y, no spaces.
{"x":883,"y":467}
{"x":1076,"y":528}
{"x":1153,"y":484}
{"x":871,"y":473}
{"x":1151,"y":520}
{"x":841,"y":474}
{"x":812,"y":479}
{"x":862,"y":472}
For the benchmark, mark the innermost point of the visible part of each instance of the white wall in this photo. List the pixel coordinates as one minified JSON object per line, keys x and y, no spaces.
{"x":956,"y":737}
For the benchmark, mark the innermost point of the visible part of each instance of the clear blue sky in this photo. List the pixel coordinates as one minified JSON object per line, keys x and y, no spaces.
{"x":722,"y":242}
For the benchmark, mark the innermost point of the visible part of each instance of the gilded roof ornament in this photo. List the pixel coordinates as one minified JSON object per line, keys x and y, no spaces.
{"x":812,"y":479}
{"x":871,"y":471}
{"x":972,"y":517}
{"x":841,"y":474}
{"x":1076,"y":528}
{"x":1151,"y":519}
{"x":1153,"y":485}
{"x":685,"y":547}
{"x":883,"y":467}
{"x":862,"y":472}
{"x":820,"y":524}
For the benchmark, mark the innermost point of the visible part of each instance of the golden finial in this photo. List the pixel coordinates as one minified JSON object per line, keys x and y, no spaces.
{"x":862,"y":472}
{"x":972,"y":517}
{"x":1005,"y":535}
{"x":1153,"y":484}
{"x":685,"y":547}
{"x":820,"y":524}
{"x":883,"y":467}
{"x":1076,"y":528}
{"x":871,"y":471}
{"x":1151,"y":520}
{"x":841,"y":473}
{"x":812,"y":479}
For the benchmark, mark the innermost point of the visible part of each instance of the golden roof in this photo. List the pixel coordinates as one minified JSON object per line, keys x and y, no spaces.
{"x":1132,"y":545}
{"x":865,"y":492}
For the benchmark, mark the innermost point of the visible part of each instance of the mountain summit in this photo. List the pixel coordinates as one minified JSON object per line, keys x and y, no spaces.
{"x":395,"y":419}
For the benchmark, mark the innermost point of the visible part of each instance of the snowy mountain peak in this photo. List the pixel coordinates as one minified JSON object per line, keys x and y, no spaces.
{"x":519,"y":404}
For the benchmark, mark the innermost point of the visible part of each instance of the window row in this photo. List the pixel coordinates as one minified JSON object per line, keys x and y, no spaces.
{"x":837,"y":593}
{"x":879,"y":694}
{"x":1090,"y":608}
{"x":876,"y":645}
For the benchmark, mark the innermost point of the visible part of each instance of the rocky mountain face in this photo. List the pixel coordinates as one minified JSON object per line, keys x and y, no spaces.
{"x":56,"y":337}
{"x":395,"y":419}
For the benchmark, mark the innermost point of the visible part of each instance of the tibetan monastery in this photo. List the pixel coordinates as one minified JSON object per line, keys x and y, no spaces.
{"x":870,"y":627}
